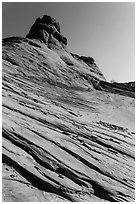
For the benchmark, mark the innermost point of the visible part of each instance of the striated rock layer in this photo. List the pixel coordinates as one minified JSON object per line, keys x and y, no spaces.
{"x":66,"y":136}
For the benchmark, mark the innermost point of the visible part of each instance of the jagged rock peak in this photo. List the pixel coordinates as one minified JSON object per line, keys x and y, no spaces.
{"x":47,"y":30}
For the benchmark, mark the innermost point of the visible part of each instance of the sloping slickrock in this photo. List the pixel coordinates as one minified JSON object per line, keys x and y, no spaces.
{"x":126,"y":89}
{"x":63,"y":140}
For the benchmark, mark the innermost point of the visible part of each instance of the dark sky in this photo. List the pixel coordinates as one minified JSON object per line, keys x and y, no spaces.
{"x":104,"y":31}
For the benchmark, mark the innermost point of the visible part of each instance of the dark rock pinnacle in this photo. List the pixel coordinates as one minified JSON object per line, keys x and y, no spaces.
{"x":47,"y":30}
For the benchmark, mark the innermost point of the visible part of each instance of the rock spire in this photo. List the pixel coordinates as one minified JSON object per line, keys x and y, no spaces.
{"x":47,"y":30}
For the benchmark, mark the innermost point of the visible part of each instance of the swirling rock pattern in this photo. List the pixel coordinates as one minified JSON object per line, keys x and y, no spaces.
{"x":63,"y":140}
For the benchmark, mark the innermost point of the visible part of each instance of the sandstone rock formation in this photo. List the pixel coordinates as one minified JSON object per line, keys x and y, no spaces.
{"x":126,"y":89}
{"x":47,"y":30}
{"x":66,"y":137}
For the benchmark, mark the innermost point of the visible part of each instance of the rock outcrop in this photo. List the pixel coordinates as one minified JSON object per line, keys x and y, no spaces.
{"x":126,"y":89}
{"x":47,"y":30}
{"x":64,"y":138}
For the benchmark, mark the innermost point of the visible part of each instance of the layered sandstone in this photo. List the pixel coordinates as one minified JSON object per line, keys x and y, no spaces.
{"x":66,"y":135}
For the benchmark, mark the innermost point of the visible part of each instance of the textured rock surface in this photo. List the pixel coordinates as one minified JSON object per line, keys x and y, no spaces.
{"x":47,"y":30}
{"x":126,"y":89}
{"x":63,"y":140}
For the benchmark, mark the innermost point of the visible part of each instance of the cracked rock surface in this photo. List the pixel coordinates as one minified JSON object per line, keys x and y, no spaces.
{"x":63,"y":140}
